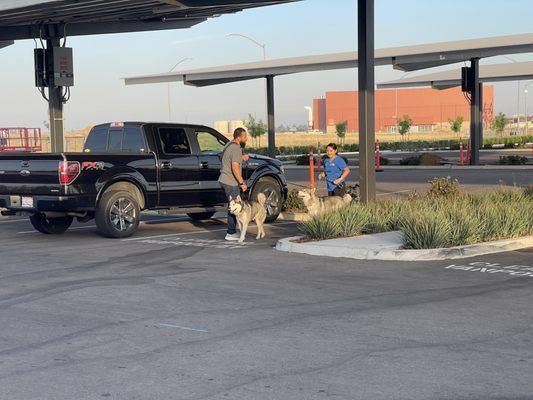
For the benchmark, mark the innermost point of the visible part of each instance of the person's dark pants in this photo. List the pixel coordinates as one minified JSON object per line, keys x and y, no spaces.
{"x":339,"y":191}
{"x":231,"y":193}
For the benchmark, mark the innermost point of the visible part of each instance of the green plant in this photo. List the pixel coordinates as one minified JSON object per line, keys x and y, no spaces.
{"x":256,"y":129}
{"x":528,"y":191}
{"x":341,"y":128}
{"x":499,"y":123}
{"x":426,"y":229}
{"x":456,"y":124}
{"x":404,"y":125}
{"x":321,"y":227}
{"x":353,"y":220}
{"x":443,"y":187}
{"x":423,"y":159}
{"x":293,"y":202}
{"x":512,"y":160}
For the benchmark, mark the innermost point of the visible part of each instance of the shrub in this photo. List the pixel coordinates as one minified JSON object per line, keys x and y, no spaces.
{"x":528,"y":191}
{"x":443,"y":187}
{"x":321,"y":227}
{"x":423,"y":159}
{"x":512,"y":160}
{"x":434,"y":221}
{"x":426,"y":229}
{"x":293,"y":202}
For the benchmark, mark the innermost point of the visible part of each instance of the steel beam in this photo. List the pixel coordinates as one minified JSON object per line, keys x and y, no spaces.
{"x":365,"y":40}
{"x":55,"y":100}
{"x":271,"y":116}
{"x":92,"y":28}
{"x":475,"y":111}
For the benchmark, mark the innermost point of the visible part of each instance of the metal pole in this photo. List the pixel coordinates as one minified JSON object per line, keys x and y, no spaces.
{"x":271,"y":117}
{"x":365,"y":40}
{"x":55,"y":100}
{"x":518,"y":109}
{"x":474,"y":112}
{"x":480,"y":126}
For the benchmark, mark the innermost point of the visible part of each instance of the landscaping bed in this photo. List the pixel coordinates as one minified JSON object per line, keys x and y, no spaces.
{"x":445,"y":217}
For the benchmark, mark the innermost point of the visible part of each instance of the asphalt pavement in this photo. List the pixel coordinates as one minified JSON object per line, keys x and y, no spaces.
{"x":177,"y":313}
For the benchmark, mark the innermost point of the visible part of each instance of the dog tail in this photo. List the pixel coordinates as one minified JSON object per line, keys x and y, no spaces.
{"x":261,"y":199}
{"x":347,"y":199}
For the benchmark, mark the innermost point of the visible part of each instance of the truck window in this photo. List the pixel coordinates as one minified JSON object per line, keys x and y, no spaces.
{"x":133,"y":140}
{"x":115,"y":140}
{"x":174,"y":141}
{"x":97,"y":140}
{"x":209,"y":143}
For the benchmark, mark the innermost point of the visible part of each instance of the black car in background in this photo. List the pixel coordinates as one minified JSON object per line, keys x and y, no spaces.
{"x":128,"y":167}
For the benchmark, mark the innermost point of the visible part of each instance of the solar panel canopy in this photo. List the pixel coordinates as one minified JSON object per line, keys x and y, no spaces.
{"x":26,"y":19}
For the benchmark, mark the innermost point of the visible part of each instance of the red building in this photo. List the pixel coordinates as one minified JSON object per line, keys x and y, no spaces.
{"x":428,"y":108}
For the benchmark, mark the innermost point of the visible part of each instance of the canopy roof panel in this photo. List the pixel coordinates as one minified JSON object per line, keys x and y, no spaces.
{"x":405,"y":58}
{"x":25,"y":19}
{"x":447,"y":79}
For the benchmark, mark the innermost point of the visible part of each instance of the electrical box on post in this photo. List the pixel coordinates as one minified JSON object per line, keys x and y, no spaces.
{"x":465,"y":78}
{"x":40,"y":70}
{"x":62,"y":66}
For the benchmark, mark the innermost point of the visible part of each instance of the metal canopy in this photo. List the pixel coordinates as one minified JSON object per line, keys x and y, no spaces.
{"x":406,"y":58}
{"x":27,"y":19}
{"x":5,"y":43}
{"x":448,"y":79}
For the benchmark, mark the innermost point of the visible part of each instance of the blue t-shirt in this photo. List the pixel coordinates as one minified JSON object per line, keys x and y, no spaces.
{"x":334,"y":169}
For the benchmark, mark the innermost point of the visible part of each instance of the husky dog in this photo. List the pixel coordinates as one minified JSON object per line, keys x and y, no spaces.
{"x":318,"y":205}
{"x":248,"y":211}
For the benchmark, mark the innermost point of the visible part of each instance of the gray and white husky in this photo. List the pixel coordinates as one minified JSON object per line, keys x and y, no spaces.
{"x":318,"y":205}
{"x":248,"y":211}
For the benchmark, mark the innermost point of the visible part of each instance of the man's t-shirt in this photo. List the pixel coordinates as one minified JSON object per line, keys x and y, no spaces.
{"x":334,"y":169}
{"x":232,"y":154}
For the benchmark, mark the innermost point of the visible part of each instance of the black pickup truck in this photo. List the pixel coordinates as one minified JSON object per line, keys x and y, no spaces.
{"x":126,"y":168}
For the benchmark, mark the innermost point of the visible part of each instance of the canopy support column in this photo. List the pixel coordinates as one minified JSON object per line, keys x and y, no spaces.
{"x":271,"y":117}
{"x":365,"y":40}
{"x":475,"y":111}
{"x":55,"y":99}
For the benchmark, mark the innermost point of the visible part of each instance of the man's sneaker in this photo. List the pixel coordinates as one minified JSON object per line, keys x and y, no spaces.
{"x":232,"y":238}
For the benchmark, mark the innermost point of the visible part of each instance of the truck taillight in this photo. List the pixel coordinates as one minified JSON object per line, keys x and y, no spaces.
{"x":68,"y":171}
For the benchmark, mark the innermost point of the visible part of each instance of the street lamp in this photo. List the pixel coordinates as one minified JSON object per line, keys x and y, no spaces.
{"x":168,"y":85}
{"x":525,"y":106}
{"x":263,"y":46}
{"x":517,"y":98}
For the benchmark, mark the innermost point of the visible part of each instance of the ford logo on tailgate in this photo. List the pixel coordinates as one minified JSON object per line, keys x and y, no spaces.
{"x":25,"y":172}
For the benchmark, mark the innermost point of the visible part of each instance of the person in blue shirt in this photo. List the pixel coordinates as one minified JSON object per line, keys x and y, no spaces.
{"x":335,"y":171}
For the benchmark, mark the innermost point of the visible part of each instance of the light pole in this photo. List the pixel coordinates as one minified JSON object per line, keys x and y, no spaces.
{"x":525,"y":107}
{"x":517,"y":98}
{"x":263,"y":46}
{"x":168,"y":86}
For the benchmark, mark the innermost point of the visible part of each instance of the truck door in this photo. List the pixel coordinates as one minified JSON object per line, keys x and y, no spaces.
{"x":210,"y":145}
{"x":178,"y":168}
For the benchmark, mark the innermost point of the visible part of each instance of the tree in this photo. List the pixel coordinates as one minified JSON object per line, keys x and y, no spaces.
{"x":256,"y":129}
{"x":404,"y":125}
{"x":455,"y":124}
{"x":499,"y":123}
{"x":341,"y":130}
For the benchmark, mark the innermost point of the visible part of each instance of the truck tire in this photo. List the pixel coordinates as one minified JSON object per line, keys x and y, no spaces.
{"x":50,"y":226}
{"x":201,"y":216}
{"x":272,"y":191}
{"x":118,"y":214}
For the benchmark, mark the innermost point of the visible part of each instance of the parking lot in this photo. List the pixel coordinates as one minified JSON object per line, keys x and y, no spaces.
{"x":177,"y":313}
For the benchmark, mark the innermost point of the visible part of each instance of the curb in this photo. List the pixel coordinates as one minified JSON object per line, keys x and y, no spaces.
{"x":291,"y":216}
{"x":439,"y":167}
{"x":388,"y":254}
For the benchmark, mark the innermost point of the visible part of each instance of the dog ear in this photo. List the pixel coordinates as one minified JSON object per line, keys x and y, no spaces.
{"x":238,"y":198}
{"x":313,"y":190}
{"x":230,"y":198}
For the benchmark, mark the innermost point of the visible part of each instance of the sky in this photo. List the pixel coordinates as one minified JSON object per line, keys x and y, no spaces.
{"x":305,"y":28}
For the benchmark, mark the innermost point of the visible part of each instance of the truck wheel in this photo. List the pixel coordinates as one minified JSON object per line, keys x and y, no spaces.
{"x":274,"y":200}
{"x":201,"y":216}
{"x":118,"y":214}
{"x":50,"y":226}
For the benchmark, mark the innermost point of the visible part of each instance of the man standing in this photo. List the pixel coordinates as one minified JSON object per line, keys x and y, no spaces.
{"x":231,"y":178}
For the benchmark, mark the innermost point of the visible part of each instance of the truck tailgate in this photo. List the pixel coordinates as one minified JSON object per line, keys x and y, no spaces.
{"x":30,"y":174}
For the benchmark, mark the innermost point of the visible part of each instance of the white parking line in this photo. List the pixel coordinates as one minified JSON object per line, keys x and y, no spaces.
{"x":185,"y":328}
{"x":192,"y":233}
